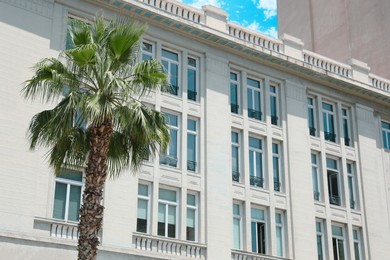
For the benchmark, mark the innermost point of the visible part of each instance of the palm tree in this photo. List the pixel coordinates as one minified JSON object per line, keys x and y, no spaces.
{"x":100,"y":122}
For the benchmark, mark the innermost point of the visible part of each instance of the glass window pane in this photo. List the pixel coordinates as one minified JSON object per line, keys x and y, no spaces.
{"x":142,"y":211}
{"x":337,"y":231}
{"x":192,"y":62}
{"x":257,"y":214}
{"x":278,"y":218}
{"x":170,"y":55}
{"x":254,"y":236}
{"x":191,"y":218}
{"x":191,"y":153}
{"x":234,"y":137}
{"x":191,"y":79}
{"x":250,"y":101}
{"x":236,"y":233}
{"x":168,"y":195}
{"x":74,"y":203}
{"x":253,"y":83}
{"x":191,"y":199}
{"x":236,"y":209}
{"x":254,"y":142}
{"x":191,"y":125}
{"x":279,"y":242}
{"x":143,"y":190}
{"x":59,"y":201}
{"x":331,"y":164}
{"x":70,"y":175}
{"x":174,"y":75}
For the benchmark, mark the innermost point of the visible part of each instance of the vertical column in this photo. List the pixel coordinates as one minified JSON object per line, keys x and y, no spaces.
{"x":300,"y":181}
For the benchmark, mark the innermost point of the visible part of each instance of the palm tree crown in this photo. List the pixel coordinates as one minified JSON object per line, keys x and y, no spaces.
{"x":100,"y":122}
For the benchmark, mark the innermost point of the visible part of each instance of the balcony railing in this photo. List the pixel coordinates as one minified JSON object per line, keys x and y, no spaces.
{"x":192,"y":95}
{"x":347,"y":141}
{"x":312,"y":131}
{"x":174,"y":90}
{"x":256,"y":181}
{"x":169,"y":247}
{"x":316,"y":195}
{"x":57,"y":228}
{"x":254,"y":114}
{"x":168,"y":160}
{"x":191,"y":166}
{"x":242,"y":255}
{"x":352,"y":204}
{"x":235,"y":176}
{"x":234,"y":108}
{"x":334,"y":199}
{"x":329,"y":136}
{"x":277,"y":184}
{"x":274,"y":120}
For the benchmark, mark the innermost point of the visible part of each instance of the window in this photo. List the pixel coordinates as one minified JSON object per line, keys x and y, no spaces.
{"x":351,"y":185}
{"x":279,"y":222}
{"x":386,"y":135}
{"x":170,"y":60}
{"x":254,"y":99}
{"x":143,"y":208}
{"x":192,"y":144}
{"x":346,"y":126}
{"x":338,"y":242}
{"x":258,"y":231}
{"x":167,"y":213}
{"x":315,"y":176}
{"x":192,"y":78}
{"x":328,"y":118}
{"x":237,"y":226}
{"x":274,"y":103}
{"x":276,"y":166}
{"x":192,"y":217}
{"x":67,"y":195}
{"x":170,"y":158}
{"x":235,"y":157}
{"x":311,"y":116}
{"x":320,"y":240}
{"x":234,"y":93}
{"x":333,"y":181}
{"x":147,"y":51}
{"x":357,"y":244}
{"x":256,"y":162}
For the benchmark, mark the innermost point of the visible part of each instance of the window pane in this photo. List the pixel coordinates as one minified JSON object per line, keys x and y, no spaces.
{"x":331,"y":164}
{"x":191,"y":125}
{"x":191,"y":150}
{"x":168,"y":195}
{"x":236,"y":233}
{"x":170,"y":55}
{"x":192,"y":62}
{"x":191,"y":199}
{"x":143,"y":190}
{"x":257,"y":214}
{"x":254,"y":236}
{"x":253,"y":83}
{"x":171,"y":221}
{"x":161,"y":219}
{"x":254,"y":142}
{"x":191,"y":224}
{"x":236,"y":209}
{"x":278,"y":218}
{"x":173,"y":143}
{"x":191,"y":78}
{"x":279,"y":242}
{"x":234,"y":137}
{"x":70,"y":175}
{"x":74,"y":203}
{"x":337,"y":231}
{"x":59,"y":201}
{"x":142,"y":209}
{"x":174,"y":75}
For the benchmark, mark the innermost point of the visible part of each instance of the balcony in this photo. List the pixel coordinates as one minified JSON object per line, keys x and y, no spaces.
{"x":274,"y":120}
{"x":166,"y":247}
{"x":277,"y":184}
{"x":168,"y":160}
{"x":347,"y":141}
{"x":191,"y":166}
{"x":234,"y":108}
{"x":256,"y":181}
{"x":312,"y":131}
{"x":173,"y":90}
{"x":254,"y":114}
{"x":235,"y":176}
{"x":56,"y":228}
{"x":334,"y":200}
{"x":316,"y":195}
{"x":242,"y":255}
{"x":191,"y":95}
{"x":329,"y":136}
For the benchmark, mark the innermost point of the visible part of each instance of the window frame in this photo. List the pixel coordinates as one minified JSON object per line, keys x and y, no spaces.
{"x":253,"y":113}
{"x":329,"y":114}
{"x":166,"y":159}
{"x":338,"y":238}
{"x":385,"y":135}
{"x":196,"y":148}
{"x":278,"y":182}
{"x":168,"y":203}
{"x":196,"y":209}
{"x":280,"y":225}
{"x":352,"y":187}
{"x":312,"y":107}
{"x":346,"y":125}
{"x":152,"y":54}
{"x":175,"y":90}
{"x":197,"y":76}
{"x":235,"y":108}
{"x":357,"y":240}
{"x":238,"y":217}
{"x":148,"y":200}
{"x":275,"y":95}
{"x":332,"y":199}
{"x":264,"y":222}
{"x":320,"y":234}
{"x":236,"y":173}
{"x":317,"y":194}
{"x":255,"y":180}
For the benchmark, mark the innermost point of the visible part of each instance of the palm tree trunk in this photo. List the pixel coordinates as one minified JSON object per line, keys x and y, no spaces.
{"x":91,"y":212}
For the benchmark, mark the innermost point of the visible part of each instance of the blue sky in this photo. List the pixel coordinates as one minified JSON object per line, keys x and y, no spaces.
{"x":260,"y":15}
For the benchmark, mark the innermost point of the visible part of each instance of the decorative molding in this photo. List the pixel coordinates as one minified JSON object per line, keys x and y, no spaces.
{"x":40,"y":7}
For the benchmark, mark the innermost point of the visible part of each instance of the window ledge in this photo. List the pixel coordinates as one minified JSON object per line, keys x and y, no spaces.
{"x":240,"y":254}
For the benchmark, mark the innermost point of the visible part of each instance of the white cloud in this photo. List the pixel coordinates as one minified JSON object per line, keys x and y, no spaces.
{"x":254,"y":26}
{"x":272,"y":32}
{"x":199,"y":3}
{"x":269,"y":8}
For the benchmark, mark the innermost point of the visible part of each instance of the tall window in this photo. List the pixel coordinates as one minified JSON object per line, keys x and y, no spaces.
{"x":167,"y":213}
{"x":315,"y":176}
{"x":256,"y":162}
{"x":346,"y":126}
{"x":170,"y":60}
{"x":67,"y":195}
{"x":357,"y":248}
{"x":147,"y":51}
{"x":254,"y":99}
{"x":274,"y":103}
{"x":192,"y":144}
{"x":311,"y":115}
{"x":276,"y":166}
{"x":235,"y":156}
{"x":192,"y":78}
{"x":320,"y":240}
{"x":258,"y":231}
{"x":328,"y":120}
{"x":237,"y":223}
{"x":170,"y":158}
{"x":192,"y":217}
{"x":351,"y":185}
{"x":234,"y":93}
{"x":279,"y":222}
{"x":338,"y":242}
{"x":333,"y":181}
{"x":386,"y":135}
{"x":143,"y":208}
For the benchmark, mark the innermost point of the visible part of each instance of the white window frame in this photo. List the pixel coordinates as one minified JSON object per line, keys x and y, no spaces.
{"x":195,"y":133}
{"x":254,"y":90}
{"x":312,"y":107}
{"x":346,"y":119}
{"x":239,"y":218}
{"x":320,"y":234}
{"x":340,"y":238}
{"x":177,"y":129}
{"x":69,"y":183}
{"x":277,"y":105}
{"x":357,"y":240}
{"x":238,"y":147}
{"x":282,"y":227}
{"x":265,"y":222}
{"x":152,"y":54}
{"x":196,"y":69}
{"x":237,"y":84}
{"x":170,"y":203}
{"x":385,"y":135}
{"x":170,"y":62}
{"x":252,"y":153}
{"x":351,"y":178}
{"x":329,"y":114}
{"x":315,"y":167}
{"x":196,"y":209}
{"x":148,"y":200}
{"x":339,"y":179}
{"x":280,"y":170}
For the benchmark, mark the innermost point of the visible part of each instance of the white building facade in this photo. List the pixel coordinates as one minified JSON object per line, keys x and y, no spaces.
{"x":276,"y":152}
